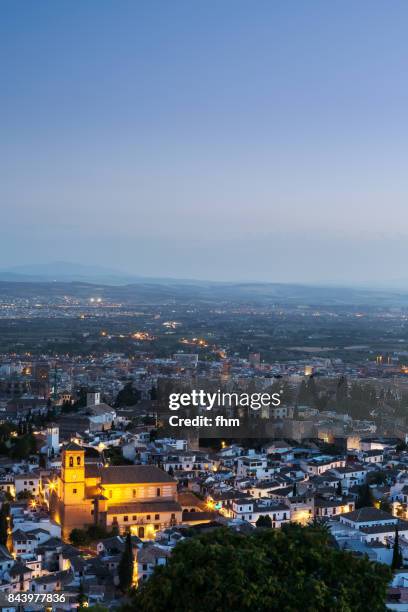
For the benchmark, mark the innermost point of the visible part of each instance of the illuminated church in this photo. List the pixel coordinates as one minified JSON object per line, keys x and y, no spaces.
{"x":139,"y":498}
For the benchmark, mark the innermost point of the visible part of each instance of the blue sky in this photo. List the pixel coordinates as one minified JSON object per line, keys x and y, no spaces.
{"x":226,"y":140}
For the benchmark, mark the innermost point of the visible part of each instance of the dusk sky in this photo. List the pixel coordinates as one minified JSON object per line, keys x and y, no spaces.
{"x":225,"y":140}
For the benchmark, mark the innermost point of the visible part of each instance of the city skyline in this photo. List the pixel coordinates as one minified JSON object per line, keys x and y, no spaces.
{"x":222,"y":142}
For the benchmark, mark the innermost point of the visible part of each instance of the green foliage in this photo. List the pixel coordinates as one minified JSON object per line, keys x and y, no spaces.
{"x":397,"y":560}
{"x":365,"y":497}
{"x":385,"y":506}
{"x":79,"y":537}
{"x":290,"y":569}
{"x":264,"y":521}
{"x":82,"y":600}
{"x":20,"y":447}
{"x":128,"y":396}
{"x":125,"y":568}
{"x":92,"y":533}
{"x":4,"y":523}
{"x":24,"y":495}
{"x":113,"y":456}
{"x":97,"y":532}
{"x":377,"y":477}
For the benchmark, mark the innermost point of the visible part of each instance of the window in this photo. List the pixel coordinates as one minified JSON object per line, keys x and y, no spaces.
{"x":71,"y":462}
{"x":157,"y":527}
{"x":148,"y":517}
{"x":110,"y":494}
{"x":144,"y":567}
{"x":126,"y":518}
{"x":173,"y":516}
{"x":133,"y":517}
{"x":134,"y":492}
{"x":157,"y":517}
{"x":158,"y":492}
{"x":78,"y":460}
{"x":74,"y":491}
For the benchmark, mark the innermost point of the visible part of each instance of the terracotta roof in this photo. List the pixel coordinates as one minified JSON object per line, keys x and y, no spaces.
{"x":149,"y":554}
{"x":123,"y":474}
{"x":72,"y":446}
{"x":363,"y":515}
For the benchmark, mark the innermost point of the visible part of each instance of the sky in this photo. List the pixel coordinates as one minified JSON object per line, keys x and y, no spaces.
{"x":219,"y":139}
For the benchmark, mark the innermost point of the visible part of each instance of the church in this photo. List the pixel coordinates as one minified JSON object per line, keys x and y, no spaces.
{"x":138,"y":498}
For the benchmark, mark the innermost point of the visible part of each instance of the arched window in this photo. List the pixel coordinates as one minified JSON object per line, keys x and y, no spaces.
{"x":71,"y":462}
{"x":78,"y":460}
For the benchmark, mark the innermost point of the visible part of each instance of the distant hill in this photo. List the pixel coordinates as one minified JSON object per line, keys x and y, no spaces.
{"x":167,"y":290}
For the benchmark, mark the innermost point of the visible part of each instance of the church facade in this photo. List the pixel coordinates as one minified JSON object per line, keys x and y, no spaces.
{"x":138,"y":498}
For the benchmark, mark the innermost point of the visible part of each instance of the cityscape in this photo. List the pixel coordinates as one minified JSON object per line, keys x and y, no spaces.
{"x":203,"y":306}
{"x":88,"y":459}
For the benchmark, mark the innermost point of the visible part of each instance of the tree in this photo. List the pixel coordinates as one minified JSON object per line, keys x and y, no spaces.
{"x":125,"y":569}
{"x":397,"y":560}
{"x":293,"y":568}
{"x":81,"y":599}
{"x":128,"y":396}
{"x":385,"y":506}
{"x":4,"y":523}
{"x":341,"y":391}
{"x":365,"y":497}
{"x":24,"y":495}
{"x":264,"y":521}
{"x":79,"y":537}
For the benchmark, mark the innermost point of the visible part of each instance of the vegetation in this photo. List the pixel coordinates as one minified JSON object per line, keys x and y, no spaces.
{"x":128,"y":396}
{"x":92,"y":533}
{"x":113,"y":456}
{"x":264,"y":521}
{"x":125,"y":568}
{"x":365,"y":497}
{"x":21,"y":495}
{"x":290,"y":569}
{"x":4,"y":523}
{"x":397,"y":560}
{"x":79,"y":537}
